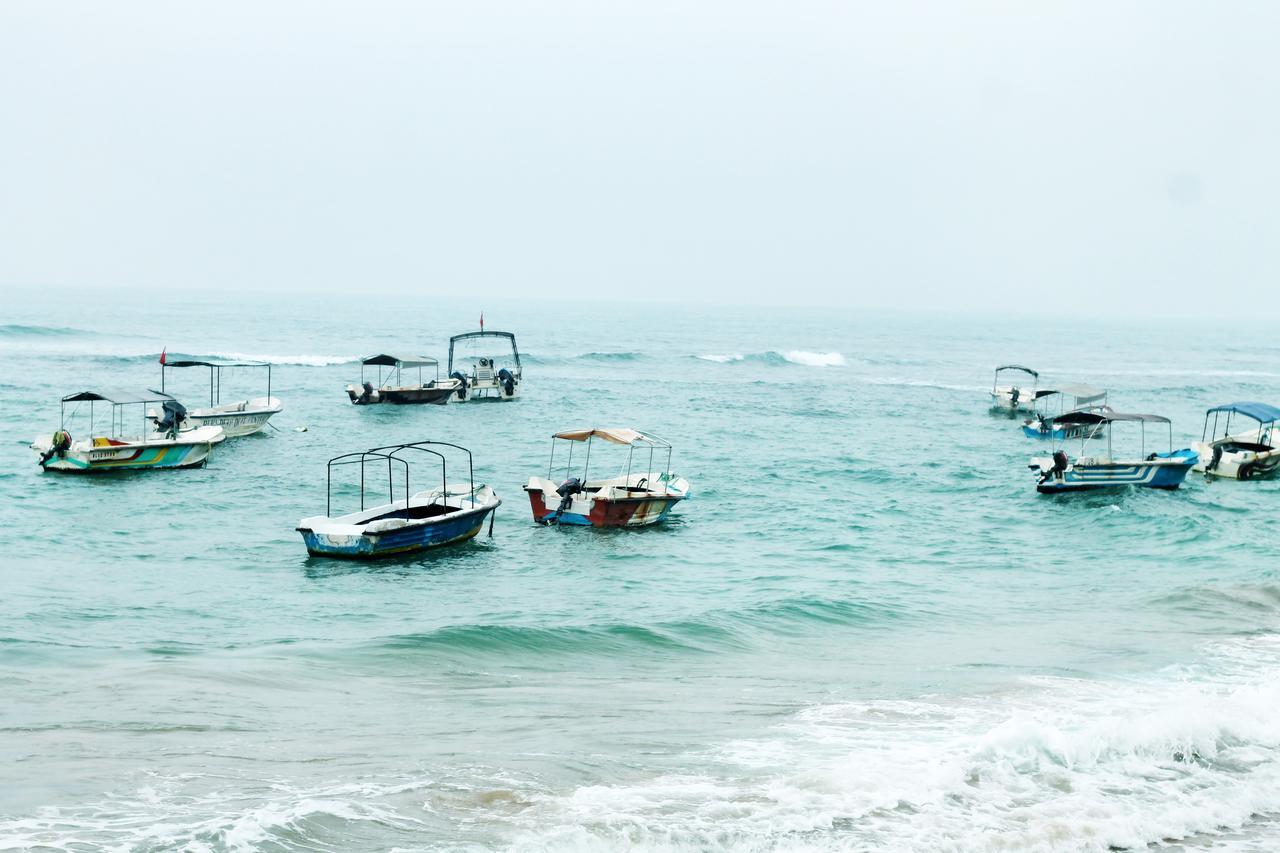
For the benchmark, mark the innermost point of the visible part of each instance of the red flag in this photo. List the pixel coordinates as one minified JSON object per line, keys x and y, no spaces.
{"x":162,"y":352}
{"x":482,"y":321}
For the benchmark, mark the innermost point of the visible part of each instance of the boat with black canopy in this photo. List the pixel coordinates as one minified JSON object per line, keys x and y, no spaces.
{"x":391,"y":386}
{"x":1247,"y":454}
{"x":452,"y":512}
{"x":243,"y":417}
{"x":136,"y":437}
{"x":1060,"y":473}
{"x":1050,"y":403}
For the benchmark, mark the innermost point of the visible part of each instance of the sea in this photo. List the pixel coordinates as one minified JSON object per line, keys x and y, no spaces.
{"x":865,"y":630}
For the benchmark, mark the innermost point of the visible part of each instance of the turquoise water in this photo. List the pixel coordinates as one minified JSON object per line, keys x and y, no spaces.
{"x":866,"y":630}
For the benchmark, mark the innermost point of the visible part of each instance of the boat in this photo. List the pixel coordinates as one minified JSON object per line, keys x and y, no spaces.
{"x":1060,"y":473}
{"x":391,"y":387}
{"x":163,"y":438}
{"x":1013,"y":397}
{"x":453,"y":512}
{"x":241,"y":418}
{"x":1246,"y":455}
{"x":1054,"y":402}
{"x":631,"y":499}
{"x":479,"y":374}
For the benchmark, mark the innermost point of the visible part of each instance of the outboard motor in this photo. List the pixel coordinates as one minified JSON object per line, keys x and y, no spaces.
{"x":366,"y":395}
{"x":1217,"y":457}
{"x":508,"y":381}
{"x":1014,"y":394}
{"x":566,"y":491}
{"x":462,"y":381}
{"x":174,"y":415}
{"x":61,"y":443}
{"x":1060,"y":463}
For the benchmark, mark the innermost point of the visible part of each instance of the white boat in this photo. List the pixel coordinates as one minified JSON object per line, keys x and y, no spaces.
{"x":159,"y":441}
{"x":1248,"y":454}
{"x":630,"y":499}
{"x":454,"y":512}
{"x":479,"y":373}
{"x":1019,"y":394}
{"x":1060,"y":473}
{"x":391,"y":385}
{"x":243,"y":417}
{"x":1050,"y":403}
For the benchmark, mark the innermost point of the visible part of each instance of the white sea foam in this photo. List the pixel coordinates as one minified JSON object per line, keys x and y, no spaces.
{"x":1062,"y":764}
{"x":814,"y":359}
{"x":723,"y":359}
{"x":304,"y":360}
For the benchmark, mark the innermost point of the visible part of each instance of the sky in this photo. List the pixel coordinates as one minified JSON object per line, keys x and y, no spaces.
{"x":1080,"y":157}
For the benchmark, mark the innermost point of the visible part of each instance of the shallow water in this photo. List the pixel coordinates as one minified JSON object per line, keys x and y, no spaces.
{"x":865,"y":631}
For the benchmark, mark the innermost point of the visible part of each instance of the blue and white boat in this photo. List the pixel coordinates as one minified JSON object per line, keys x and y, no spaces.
{"x":1019,"y":393}
{"x":1247,"y":454}
{"x":1051,"y":403}
{"x":454,"y":512}
{"x":1060,"y":473}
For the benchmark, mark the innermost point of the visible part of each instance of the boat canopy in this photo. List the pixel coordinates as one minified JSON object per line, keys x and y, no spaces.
{"x":385,"y":360}
{"x":1017,"y":367}
{"x":1260,"y":412}
{"x":119,"y":398}
{"x":1105,"y":417}
{"x":616,"y":435}
{"x":196,"y":363}
{"x":1082,"y":392}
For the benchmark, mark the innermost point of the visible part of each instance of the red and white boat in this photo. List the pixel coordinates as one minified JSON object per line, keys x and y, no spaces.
{"x":633,"y":498}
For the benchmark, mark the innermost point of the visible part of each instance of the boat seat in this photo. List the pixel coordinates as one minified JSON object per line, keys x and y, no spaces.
{"x":484,"y":374}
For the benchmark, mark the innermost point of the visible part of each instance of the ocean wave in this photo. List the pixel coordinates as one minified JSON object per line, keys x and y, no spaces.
{"x":15,"y":330}
{"x":1062,"y":764}
{"x":804,"y":358}
{"x":730,"y":627}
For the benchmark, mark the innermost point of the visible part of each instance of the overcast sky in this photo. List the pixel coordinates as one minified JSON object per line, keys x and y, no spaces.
{"x":1079,"y":156}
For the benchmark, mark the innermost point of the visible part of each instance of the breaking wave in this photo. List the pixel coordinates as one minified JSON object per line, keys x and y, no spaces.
{"x":804,"y":358}
{"x":1061,"y":764}
{"x":15,"y":330}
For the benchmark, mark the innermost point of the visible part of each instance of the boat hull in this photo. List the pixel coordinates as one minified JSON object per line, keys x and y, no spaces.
{"x":130,"y":456}
{"x":355,"y":543}
{"x":237,"y":421}
{"x":1164,"y":472}
{"x":1072,"y":433}
{"x":603,"y":512}
{"x":402,"y":396}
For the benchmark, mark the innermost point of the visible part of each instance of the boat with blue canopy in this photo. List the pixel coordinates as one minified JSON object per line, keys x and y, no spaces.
{"x":1246,"y":454}
{"x":1060,"y":473}
{"x":453,"y":512}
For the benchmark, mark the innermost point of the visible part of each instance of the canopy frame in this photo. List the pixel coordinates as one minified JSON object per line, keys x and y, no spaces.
{"x":469,"y":336}
{"x":572,"y":437}
{"x":391,"y":454}
{"x":215,"y":374}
